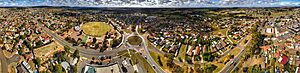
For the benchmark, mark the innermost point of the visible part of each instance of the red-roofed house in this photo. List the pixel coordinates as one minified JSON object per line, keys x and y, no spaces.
{"x":283,"y":59}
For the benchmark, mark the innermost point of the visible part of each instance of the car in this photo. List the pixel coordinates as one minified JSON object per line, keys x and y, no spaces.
{"x":153,"y":66}
{"x":232,"y":62}
{"x":145,"y":57}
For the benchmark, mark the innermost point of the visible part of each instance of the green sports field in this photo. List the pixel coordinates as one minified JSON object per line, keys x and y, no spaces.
{"x":96,"y":28}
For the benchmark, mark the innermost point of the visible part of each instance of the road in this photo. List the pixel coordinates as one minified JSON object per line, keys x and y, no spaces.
{"x":232,"y":63}
{"x":225,"y":53}
{"x":85,"y":52}
{"x":6,"y":61}
{"x":150,"y":60}
{"x":89,"y":53}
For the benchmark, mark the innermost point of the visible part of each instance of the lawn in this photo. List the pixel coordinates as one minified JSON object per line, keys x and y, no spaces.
{"x":127,"y":30}
{"x":226,"y":58}
{"x":47,"y":49}
{"x":235,"y":51}
{"x":219,"y":67}
{"x":182,"y":52}
{"x":163,"y":59}
{"x":134,"y":40}
{"x":125,"y":53}
{"x":96,"y":28}
{"x":220,"y":31}
{"x":138,"y":58}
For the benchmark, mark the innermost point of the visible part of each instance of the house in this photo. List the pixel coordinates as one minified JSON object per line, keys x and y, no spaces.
{"x":66,"y":66}
{"x":24,"y":67}
{"x":283,"y":60}
{"x":190,"y":50}
{"x":198,"y":50}
{"x":74,"y":61}
{"x":265,"y":48}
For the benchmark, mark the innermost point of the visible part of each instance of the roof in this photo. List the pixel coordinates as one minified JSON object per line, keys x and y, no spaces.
{"x":277,"y":54}
{"x":65,"y":65}
{"x":297,"y":37}
{"x":284,"y":60}
{"x":198,"y":50}
{"x":265,"y":48}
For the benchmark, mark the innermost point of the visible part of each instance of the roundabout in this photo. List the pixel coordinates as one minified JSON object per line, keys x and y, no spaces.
{"x":134,"y":40}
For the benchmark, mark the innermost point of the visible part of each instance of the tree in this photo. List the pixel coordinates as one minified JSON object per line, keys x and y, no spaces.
{"x":178,"y":69}
{"x":170,"y":63}
{"x":67,"y":49}
{"x":159,"y":61}
{"x":37,"y":61}
{"x":209,"y":68}
{"x":76,"y":53}
{"x":197,"y":68}
{"x":116,"y":42}
{"x":94,"y":40}
{"x":58,"y":68}
{"x":74,"y":68}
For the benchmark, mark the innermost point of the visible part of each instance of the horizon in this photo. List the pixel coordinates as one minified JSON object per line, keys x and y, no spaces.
{"x":152,"y":3}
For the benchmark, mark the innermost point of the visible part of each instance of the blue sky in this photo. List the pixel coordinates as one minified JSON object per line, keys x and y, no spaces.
{"x":291,"y":0}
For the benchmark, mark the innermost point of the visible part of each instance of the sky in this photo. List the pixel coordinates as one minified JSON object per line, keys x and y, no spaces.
{"x":211,"y":3}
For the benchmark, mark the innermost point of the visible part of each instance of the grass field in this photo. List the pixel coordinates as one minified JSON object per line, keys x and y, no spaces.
{"x":45,"y":50}
{"x":235,"y":51}
{"x":136,"y":57}
{"x":219,"y":67}
{"x":182,"y":52}
{"x":96,"y":28}
{"x":163,"y":60}
{"x":134,"y":40}
{"x":220,"y":31}
{"x":226,"y":58}
{"x":127,"y":30}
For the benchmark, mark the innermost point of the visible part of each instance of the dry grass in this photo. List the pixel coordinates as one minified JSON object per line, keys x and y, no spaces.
{"x":96,"y":28}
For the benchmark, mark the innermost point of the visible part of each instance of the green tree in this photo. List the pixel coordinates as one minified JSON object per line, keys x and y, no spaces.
{"x":58,"y":68}
{"x":67,"y":49}
{"x":76,"y":53}
{"x":197,"y":68}
{"x":116,"y":42}
{"x":74,"y":68}
{"x":37,"y":61}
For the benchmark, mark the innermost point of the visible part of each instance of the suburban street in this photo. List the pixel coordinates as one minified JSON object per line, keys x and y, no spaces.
{"x":232,"y":63}
{"x":150,"y":60}
{"x":85,"y":52}
{"x":89,"y":53}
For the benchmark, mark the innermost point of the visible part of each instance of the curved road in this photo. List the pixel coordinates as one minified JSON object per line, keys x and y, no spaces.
{"x":150,"y":60}
{"x":88,"y":53}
